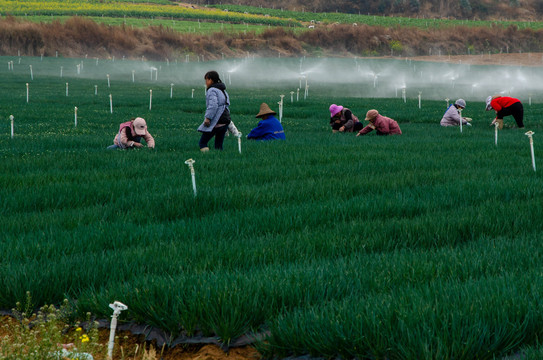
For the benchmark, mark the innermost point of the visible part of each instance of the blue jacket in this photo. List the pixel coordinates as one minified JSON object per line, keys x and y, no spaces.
{"x":269,"y":129}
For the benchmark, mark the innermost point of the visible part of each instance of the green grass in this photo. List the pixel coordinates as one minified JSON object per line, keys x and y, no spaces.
{"x":375,"y":20}
{"x":199,"y":27}
{"x":425,"y":245}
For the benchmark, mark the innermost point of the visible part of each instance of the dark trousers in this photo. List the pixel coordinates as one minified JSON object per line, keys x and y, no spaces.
{"x":516,"y":110}
{"x":218,"y":132}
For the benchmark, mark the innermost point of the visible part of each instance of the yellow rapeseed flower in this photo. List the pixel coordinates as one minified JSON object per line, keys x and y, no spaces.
{"x":84,"y":338}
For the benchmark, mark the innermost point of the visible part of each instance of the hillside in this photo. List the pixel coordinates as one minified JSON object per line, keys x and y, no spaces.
{"x":526,"y":10}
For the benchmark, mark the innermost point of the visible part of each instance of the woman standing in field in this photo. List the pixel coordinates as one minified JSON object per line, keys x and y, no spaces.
{"x":217,"y":115}
{"x":343,"y":120}
{"x":504,"y":106}
{"x":452,"y":116}
{"x":384,"y":125}
{"x":130,"y":135}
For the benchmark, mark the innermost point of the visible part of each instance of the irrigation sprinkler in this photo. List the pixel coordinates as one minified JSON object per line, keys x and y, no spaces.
{"x":239,"y":141}
{"x":75,"y":116}
{"x":403,"y":95}
{"x":31,"y":73}
{"x":420,"y":96}
{"x":117,"y":308}
{"x":171,"y":90}
{"x":108,"y":83}
{"x":281,"y":108}
{"x":78,"y":69}
{"x":133,"y":71}
{"x":150,"y":99}
{"x":111,"y":103}
{"x":190,"y":163}
{"x":298,"y":94}
{"x":530,"y":134}
{"x":192,"y":94}
{"x":95,"y":89}
{"x":156,"y":74}
{"x":291,"y":97}
{"x":374,"y":81}
{"x":306,"y":94}
{"x":66,"y":89}
{"x":61,"y":68}
{"x":12,"y":129}
{"x":530,"y":100}
{"x":27,"y":93}
{"x":461,"y":120}
{"x":496,"y":133}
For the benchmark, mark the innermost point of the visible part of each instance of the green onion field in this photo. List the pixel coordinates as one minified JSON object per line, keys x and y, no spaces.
{"x":426,"y":245}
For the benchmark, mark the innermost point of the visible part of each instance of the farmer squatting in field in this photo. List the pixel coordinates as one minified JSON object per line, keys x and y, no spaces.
{"x":384,"y":125}
{"x":130,"y":135}
{"x":505,"y":106}
{"x":269,"y":128}
{"x":452,"y":115}
{"x":343,"y":120}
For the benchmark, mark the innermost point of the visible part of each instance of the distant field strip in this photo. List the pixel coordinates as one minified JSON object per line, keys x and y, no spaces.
{"x":375,"y":20}
{"x":122,"y":9}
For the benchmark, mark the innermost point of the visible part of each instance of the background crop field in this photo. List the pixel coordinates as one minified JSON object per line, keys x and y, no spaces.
{"x":425,"y":245}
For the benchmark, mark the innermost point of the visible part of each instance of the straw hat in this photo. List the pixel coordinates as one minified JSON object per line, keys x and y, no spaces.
{"x":371,"y":114}
{"x":140,"y":126}
{"x":265,"y":110}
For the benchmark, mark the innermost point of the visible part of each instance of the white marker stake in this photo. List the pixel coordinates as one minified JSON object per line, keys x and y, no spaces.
{"x":150,"y":99}
{"x":420,"y":96}
{"x":111,"y":103}
{"x":108,"y":83}
{"x":529,"y":134}
{"x":31,"y":73}
{"x":281,"y":108}
{"x":403,"y":95}
{"x":75,"y":116}
{"x":133,"y":75}
{"x":12,"y":130}
{"x":66,"y":89}
{"x":117,"y":308}
{"x":291,"y":97}
{"x":298,"y":94}
{"x":193,"y":93}
{"x":27,"y":94}
{"x":61,"y":68}
{"x":171,"y":90}
{"x":95,"y":89}
{"x":239,"y":142}
{"x":190,"y":163}
{"x":496,"y":133}
{"x":461,"y":119}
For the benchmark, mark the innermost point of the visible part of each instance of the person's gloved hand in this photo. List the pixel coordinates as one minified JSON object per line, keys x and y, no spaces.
{"x":468,"y":124}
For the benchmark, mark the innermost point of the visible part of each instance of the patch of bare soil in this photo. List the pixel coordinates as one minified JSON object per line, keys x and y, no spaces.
{"x":128,"y":346}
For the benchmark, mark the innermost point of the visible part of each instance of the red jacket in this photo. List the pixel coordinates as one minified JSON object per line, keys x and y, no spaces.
{"x":384,"y":126}
{"x":502,"y":102}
